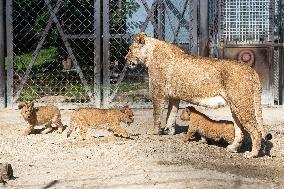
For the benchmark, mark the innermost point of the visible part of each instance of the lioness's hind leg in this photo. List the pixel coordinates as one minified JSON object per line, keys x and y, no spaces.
{"x":239,"y":136}
{"x":249,"y":123}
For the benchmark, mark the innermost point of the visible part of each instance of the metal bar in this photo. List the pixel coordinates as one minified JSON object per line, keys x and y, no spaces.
{"x":220,"y":41}
{"x":10,"y":55}
{"x":2,"y":57}
{"x":106,"y":55}
{"x":69,"y":49}
{"x":203,"y":32}
{"x":271,"y":21}
{"x":179,"y":24}
{"x":36,"y":52}
{"x":162,"y":20}
{"x":97,"y":53}
{"x":123,"y":36}
{"x":81,"y":36}
{"x":150,"y":16}
{"x":121,"y":77}
{"x":176,"y":12}
{"x":194,"y":25}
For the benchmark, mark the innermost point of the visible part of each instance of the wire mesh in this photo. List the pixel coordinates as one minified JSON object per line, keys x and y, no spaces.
{"x":53,"y":51}
{"x":58,"y":55}
{"x":163,"y":19}
{"x":246,"y":21}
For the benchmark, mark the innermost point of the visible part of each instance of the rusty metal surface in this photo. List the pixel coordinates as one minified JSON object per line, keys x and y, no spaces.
{"x":259,"y":58}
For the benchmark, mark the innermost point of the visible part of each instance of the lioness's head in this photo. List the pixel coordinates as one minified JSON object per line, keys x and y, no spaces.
{"x":127,"y":115}
{"x":139,"y":50}
{"x":185,"y":113}
{"x":26,"y":110}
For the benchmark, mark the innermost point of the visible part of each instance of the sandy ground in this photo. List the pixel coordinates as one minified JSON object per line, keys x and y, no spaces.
{"x":144,"y":161}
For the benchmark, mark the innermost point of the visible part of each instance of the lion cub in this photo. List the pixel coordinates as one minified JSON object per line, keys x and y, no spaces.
{"x":101,"y":119}
{"x":206,"y":127}
{"x":40,"y":115}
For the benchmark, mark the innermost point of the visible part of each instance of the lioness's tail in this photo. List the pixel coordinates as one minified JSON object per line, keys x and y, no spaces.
{"x":257,"y":102}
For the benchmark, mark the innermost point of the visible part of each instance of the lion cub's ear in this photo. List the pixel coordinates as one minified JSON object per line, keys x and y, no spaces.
{"x":140,"y":38}
{"x":20,"y":106}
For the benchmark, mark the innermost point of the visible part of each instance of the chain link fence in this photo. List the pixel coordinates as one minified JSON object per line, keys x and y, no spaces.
{"x":52,"y":51}
{"x":72,"y":51}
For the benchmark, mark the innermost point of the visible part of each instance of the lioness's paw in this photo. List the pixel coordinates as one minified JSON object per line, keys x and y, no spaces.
{"x":249,"y":155}
{"x":169,"y":130}
{"x":24,"y":134}
{"x":232,"y":148}
{"x":154,"y":131}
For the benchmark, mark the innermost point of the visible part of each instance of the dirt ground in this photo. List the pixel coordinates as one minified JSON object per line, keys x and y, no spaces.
{"x":143,"y":161}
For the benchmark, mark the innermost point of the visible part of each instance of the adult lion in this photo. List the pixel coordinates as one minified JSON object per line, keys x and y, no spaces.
{"x":209,"y":82}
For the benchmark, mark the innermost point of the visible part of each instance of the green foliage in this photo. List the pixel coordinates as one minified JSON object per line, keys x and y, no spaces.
{"x":128,"y":86}
{"x":28,"y":95}
{"x":44,"y":58}
{"x":74,"y":91}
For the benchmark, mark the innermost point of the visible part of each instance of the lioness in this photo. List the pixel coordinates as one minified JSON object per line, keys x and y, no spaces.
{"x":100,"y":119}
{"x":203,"y":81}
{"x":206,"y":127}
{"x":40,"y":115}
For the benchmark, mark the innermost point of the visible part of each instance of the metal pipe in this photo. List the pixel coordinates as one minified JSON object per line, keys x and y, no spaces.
{"x":2,"y":57}
{"x":204,"y":29}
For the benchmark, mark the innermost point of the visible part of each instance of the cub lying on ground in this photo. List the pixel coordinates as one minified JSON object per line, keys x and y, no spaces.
{"x":206,"y":127}
{"x":40,"y":115}
{"x":101,"y":119}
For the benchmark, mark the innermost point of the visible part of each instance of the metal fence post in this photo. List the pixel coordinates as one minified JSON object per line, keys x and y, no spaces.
{"x":194,"y":26}
{"x":9,"y":32}
{"x":204,"y":29}
{"x":97,"y":53}
{"x":106,"y":55}
{"x":2,"y":57}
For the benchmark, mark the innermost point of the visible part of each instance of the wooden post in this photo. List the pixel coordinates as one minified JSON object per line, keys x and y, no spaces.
{"x":2,"y":57}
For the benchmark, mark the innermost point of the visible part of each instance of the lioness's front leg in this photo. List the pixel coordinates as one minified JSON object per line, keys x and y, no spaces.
{"x":158,"y":106}
{"x":171,"y":116}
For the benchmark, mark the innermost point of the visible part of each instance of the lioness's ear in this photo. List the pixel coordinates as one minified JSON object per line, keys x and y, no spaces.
{"x":140,"y":38}
{"x":20,"y":106}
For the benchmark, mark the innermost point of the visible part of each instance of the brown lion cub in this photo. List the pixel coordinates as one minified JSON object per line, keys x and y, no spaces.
{"x":101,"y":119}
{"x":40,"y":115}
{"x":206,"y":127}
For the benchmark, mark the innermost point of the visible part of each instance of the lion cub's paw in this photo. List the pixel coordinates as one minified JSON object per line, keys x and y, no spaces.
{"x":59,"y":131}
{"x":47,"y":130}
{"x":184,"y":138}
{"x":125,"y":135}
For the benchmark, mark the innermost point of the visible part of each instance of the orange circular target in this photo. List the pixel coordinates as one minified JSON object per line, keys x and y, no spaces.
{"x":247,"y":57}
